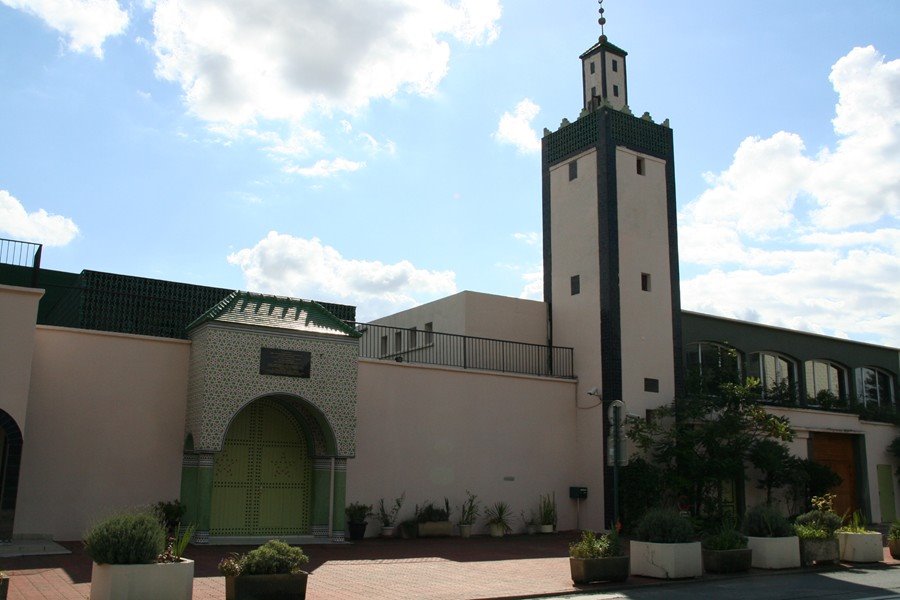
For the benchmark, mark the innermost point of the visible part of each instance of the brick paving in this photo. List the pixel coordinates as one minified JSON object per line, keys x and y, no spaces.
{"x":423,"y":569}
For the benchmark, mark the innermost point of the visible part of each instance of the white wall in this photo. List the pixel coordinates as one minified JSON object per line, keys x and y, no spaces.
{"x":18,"y":312}
{"x":105,"y":427}
{"x":436,"y":432}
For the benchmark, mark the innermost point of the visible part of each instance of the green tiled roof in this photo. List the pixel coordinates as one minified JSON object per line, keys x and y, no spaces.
{"x":275,"y":311}
{"x":606,"y":46}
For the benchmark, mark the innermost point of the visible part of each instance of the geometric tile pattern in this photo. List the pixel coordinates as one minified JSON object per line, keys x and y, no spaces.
{"x":224,"y":377}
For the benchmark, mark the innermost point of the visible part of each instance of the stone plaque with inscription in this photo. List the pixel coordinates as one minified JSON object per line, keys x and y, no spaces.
{"x":287,"y":363}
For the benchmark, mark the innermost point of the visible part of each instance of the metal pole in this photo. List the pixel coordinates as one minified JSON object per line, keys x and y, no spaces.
{"x":616,"y":454}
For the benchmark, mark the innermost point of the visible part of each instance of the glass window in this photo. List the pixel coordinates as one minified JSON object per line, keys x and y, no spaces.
{"x":825,"y":382}
{"x":777,"y":376}
{"x":874,"y":386}
{"x":709,"y":365}
{"x":575,"y":284}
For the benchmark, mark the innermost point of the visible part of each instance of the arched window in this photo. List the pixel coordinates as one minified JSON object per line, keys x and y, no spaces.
{"x":777,"y":375}
{"x":874,"y":386}
{"x":826,"y":382}
{"x":709,"y":365}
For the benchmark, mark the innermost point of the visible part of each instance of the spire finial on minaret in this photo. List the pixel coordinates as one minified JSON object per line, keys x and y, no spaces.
{"x":602,"y":21}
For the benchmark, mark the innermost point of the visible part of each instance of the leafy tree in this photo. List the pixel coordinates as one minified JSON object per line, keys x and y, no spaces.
{"x":775,"y":462}
{"x":700,"y":442}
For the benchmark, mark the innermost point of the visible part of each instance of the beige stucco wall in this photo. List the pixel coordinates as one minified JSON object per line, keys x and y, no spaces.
{"x":106,"y":419}
{"x":576,"y":319}
{"x":436,"y":432}
{"x":18,"y":312}
{"x":646,"y":326}
{"x":480,"y":315}
{"x":595,"y":79}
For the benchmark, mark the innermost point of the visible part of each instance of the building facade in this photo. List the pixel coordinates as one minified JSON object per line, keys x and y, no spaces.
{"x":266,"y":415}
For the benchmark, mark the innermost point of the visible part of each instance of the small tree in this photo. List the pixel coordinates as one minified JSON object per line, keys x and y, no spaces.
{"x":775,"y":462}
{"x":699,"y":442}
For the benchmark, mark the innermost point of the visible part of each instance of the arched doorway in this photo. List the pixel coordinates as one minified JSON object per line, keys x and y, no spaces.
{"x":262,"y":479}
{"x":10,"y":458}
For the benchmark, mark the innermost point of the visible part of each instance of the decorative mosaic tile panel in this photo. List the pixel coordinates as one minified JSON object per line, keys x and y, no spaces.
{"x":224,"y":377}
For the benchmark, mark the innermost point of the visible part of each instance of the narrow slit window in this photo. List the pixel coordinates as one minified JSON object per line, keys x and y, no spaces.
{"x":640,"y":165}
{"x":575,"y":284}
{"x":616,"y":91}
{"x":573,"y":170}
{"x":615,"y":66}
{"x":594,"y":91}
{"x":645,"y":282}
{"x":398,"y":341}
{"x":412,"y":343}
{"x":651,"y":385}
{"x":593,"y":69}
{"x":429,"y":333}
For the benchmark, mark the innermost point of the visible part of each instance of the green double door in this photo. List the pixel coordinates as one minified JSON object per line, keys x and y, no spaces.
{"x":262,"y":476}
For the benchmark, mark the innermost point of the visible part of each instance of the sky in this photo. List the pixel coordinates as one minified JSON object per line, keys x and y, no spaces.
{"x":385,"y":153}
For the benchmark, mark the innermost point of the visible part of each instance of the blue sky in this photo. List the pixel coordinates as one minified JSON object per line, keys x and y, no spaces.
{"x":383,"y":152}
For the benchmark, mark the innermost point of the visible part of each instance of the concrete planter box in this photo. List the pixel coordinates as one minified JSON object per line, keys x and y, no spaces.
{"x":861,"y":547}
{"x":586,"y":570}
{"x":288,"y":586}
{"x":436,"y":529}
{"x":775,"y":552}
{"x":727,"y":561}
{"x":497,"y":530}
{"x":820,"y":552}
{"x":666,"y":561}
{"x":465,"y":530}
{"x":173,"y":581}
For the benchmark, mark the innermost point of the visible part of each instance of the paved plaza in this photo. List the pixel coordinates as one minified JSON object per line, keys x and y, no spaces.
{"x":519,"y":566}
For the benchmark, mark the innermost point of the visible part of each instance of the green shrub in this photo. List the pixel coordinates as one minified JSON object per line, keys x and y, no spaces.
{"x":431,"y":513}
{"x":825,"y":522}
{"x":170,"y":513}
{"x":273,"y":557}
{"x":357,"y":512}
{"x":727,"y":538}
{"x":765,"y":521}
{"x":664,"y":526}
{"x":855,"y":524}
{"x":134,"y":538}
{"x":894,"y":533}
{"x":591,"y":546}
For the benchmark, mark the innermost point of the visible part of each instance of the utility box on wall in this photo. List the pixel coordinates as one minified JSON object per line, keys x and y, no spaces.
{"x":578,"y":493}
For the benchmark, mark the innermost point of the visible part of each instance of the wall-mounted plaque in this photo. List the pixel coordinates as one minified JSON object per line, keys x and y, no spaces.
{"x":287,"y":363}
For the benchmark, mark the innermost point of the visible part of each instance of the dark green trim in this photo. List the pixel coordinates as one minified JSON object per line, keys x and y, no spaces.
{"x":603,"y":45}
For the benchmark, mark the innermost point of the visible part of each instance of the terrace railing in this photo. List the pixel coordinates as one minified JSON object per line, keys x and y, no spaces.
{"x":21,"y":254}
{"x":467,"y":352}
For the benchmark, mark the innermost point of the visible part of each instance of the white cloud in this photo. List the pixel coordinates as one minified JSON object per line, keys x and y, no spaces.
{"x":532,"y":238}
{"x":39,"y":227}
{"x":307,"y":268}
{"x":86,"y":23}
{"x":240,"y":62}
{"x":534,"y":284}
{"x":327,"y":168}
{"x":808,"y":242}
{"x":515,"y":128}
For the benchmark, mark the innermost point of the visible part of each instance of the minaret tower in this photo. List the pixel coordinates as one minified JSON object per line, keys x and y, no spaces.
{"x":611,"y":261}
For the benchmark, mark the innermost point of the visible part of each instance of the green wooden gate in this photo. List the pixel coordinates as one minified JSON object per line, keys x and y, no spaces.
{"x":261,"y":479}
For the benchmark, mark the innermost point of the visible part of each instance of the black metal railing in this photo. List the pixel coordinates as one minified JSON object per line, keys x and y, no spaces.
{"x":22,"y":254}
{"x":467,"y":352}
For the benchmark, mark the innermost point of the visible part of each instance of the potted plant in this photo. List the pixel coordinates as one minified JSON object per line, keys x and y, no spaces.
{"x":816,"y":531}
{"x":270,"y":571}
{"x":468,"y":514}
{"x":664,"y":546}
{"x":357,"y":513}
{"x":388,"y":517}
{"x":595,"y":558}
{"x":530,"y":521}
{"x":858,"y":543}
{"x":726,"y":551}
{"x":547,"y":513}
{"x":435,"y":521}
{"x":498,"y":517}
{"x":130,"y":559}
{"x":774,"y":543}
{"x":894,"y":540}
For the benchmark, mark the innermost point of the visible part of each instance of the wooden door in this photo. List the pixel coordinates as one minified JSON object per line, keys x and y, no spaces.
{"x":838,"y":451}
{"x":262,"y":477}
